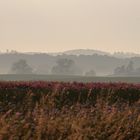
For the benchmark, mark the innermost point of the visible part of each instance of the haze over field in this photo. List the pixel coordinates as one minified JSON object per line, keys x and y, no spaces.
{"x":59,"y":25}
{"x":70,"y":69}
{"x":70,"y":37}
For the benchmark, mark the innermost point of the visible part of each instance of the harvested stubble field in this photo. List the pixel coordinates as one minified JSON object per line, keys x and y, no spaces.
{"x":69,"y":111}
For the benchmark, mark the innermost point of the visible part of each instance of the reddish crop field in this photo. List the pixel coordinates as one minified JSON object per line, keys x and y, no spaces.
{"x":69,"y":111}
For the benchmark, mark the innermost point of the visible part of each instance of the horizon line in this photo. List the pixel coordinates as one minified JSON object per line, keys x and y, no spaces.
{"x":63,"y":51}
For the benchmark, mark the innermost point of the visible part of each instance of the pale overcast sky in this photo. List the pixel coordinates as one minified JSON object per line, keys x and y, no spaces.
{"x":58,"y":25}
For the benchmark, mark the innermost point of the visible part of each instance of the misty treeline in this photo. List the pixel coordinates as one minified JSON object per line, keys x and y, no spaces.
{"x":89,"y":65}
{"x":63,"y":66}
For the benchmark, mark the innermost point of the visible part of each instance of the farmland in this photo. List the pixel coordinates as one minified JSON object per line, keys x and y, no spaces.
{"x":69,"y":110}
{"x":65,"y":78}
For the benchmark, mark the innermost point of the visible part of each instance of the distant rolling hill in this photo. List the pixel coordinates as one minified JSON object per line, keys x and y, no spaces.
{"x":85,"y":52}
{"x":98,"y":52}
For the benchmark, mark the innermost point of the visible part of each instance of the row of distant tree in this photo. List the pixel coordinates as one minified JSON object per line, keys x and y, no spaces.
{"x":66,"y":66}
{"x":63,"y":66}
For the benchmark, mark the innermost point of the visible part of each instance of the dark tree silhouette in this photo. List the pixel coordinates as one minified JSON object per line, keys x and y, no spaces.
{"x":130,"y":68}
{"x":21,"y":67}
{"x":120,"y":70}
{"x":64,"y":66}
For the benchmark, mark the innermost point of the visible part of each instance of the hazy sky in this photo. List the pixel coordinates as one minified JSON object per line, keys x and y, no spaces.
{"x":57,"y":25}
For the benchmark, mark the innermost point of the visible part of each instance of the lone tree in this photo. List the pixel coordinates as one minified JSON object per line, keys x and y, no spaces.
{"x":21,"y":67}
{"x":64,"y":66}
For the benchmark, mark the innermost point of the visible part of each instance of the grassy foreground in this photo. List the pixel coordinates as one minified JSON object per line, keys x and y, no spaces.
{"x":69,"y":111}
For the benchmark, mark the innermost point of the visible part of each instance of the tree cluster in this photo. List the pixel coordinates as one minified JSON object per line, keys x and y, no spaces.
{"x":128,"y":70}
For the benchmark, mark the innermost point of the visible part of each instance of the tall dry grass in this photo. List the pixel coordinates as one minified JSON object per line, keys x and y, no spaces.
{"x":46,"y":119}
